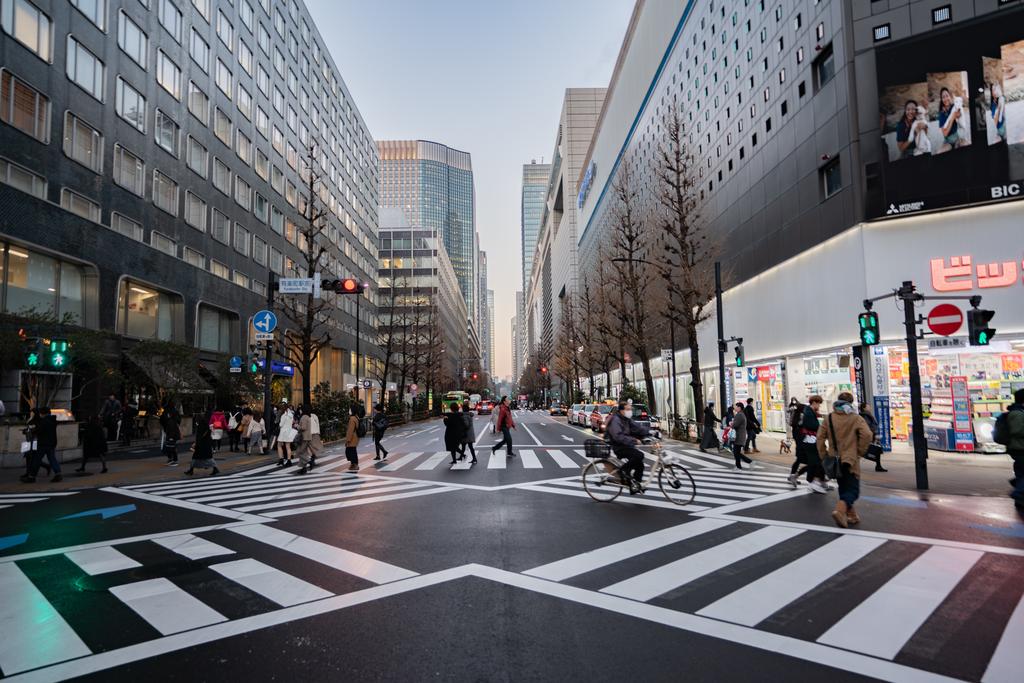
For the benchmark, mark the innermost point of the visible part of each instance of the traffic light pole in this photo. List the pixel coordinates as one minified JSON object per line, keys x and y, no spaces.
{"x":908,"y":294}
{"x":268,"y":349}
{"x":721,"y":342}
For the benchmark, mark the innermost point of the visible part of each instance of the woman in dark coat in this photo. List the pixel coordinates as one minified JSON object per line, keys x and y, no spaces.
{"x":94,"y":443}
{"x":709,"y":439}
{"x":469,"y":439}
{"x":454,"y":431}
{"x":202,"y":450}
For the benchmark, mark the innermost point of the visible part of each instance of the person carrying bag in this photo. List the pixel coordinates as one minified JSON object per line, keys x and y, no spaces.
{"x":843,"y":439}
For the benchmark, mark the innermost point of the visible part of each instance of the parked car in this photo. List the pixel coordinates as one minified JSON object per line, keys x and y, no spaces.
{"x":583,"y":416}
{"x":484,"y":407}
{"x":573,"y":409}
{"x":558,"y":409}
{"x":599,"y":416}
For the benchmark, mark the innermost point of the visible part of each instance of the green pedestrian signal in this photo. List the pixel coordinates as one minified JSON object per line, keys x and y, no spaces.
{"x":978,"y":331}
{"x":869,"y":334}
{"x":32,"y":359}
{"x":740,"y":360}
{"x":58,"y":354}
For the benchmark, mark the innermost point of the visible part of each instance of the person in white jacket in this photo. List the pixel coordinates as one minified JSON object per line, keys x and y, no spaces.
{"x":254,"y":433}
{"x":285,"y":437}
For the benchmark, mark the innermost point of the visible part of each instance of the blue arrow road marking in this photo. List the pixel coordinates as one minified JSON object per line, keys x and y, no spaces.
{"x":1017,"y":530}
{"x":11,"y":541}
{"x":106,"y":512}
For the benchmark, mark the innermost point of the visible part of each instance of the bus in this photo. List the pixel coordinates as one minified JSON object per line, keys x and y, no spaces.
{"x":459,"y":397}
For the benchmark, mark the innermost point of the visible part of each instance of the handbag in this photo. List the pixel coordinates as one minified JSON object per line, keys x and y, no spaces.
{"x":874,"y":452}
{"x":830,"y":463}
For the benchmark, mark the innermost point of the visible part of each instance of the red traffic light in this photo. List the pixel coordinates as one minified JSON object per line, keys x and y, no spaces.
{"x":543,"y":368}
{"x":346,"y":286}
{"x":474,"y":375}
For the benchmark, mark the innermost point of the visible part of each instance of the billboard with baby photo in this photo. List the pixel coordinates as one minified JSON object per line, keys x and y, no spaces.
{"x":950,"y":117}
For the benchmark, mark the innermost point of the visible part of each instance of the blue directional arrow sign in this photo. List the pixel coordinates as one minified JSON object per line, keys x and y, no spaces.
{"x":11,"y":541}
{"x":106,"y":513}
{"x":235,"y":361}
{"x":264,"y":321}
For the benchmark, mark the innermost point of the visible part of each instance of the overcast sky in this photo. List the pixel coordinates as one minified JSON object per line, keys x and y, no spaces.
{"x":483,"y":76}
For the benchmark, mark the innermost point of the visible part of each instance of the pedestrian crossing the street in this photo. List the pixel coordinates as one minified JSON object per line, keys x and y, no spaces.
{"x":11,"y":499}
{"x":285,"y":493}
{"x":142,"y":590}
{"x":915,"y":604}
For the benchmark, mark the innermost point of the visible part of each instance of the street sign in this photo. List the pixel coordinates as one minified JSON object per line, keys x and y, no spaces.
{"x":264,"y":321}
{"x":235,"y":362}
{"x":414,"y":387}
{"x":264,"y":336}
{"x":234,"y":370}
{"x":367,"y":384}
{"x":666,"y":355}
{"x":295,"y":285}
{"x":945,"y":319}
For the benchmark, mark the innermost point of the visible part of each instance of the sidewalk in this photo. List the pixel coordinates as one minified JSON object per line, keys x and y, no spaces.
{"x":967,"y":474}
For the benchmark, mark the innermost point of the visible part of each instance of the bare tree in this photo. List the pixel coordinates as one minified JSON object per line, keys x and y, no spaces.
{"x":390,"y":334}
{"x":686,"y":259}
{"x":308,"y":316}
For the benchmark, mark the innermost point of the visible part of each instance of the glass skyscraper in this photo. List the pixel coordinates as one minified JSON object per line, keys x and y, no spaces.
{"x":433,"y":185}
{"x":535,"y":191}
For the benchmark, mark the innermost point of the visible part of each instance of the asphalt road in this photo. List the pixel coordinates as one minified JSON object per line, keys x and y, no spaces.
{"x":504,"y":570}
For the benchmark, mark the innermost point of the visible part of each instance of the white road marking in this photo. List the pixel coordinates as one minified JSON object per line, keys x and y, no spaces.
{"x":651,"y":584}
{"x":602,"y":557}
{"x":762,"y":598}
{"x":299,"y":492}
{"x":273,"y":584}
{"x":271,"y":507}
{"x":269,"y":487}
{"x":102,"y":560}
{"x":498,"y":460}
{"x":209,"y":509}
{"x":337,"y":558}
{"x":654,"y":492}
{"x":1008,"y":659}
{"x":367,"y":500}
{"x":624,"y":498}
{"x":166,"y":607}
{"x":882,"y":624}
{"x":400,"y":462}
{"x":193,"y":547}
{"x":563,"y":460}
{"x":704,"y":464}
{"x":532,"y":436}
{"x":529,"y":460}
{"x":34,"y":633}
{"x":462,"y":464}
{"x":13,"y":499}
{"x":433,"y":461}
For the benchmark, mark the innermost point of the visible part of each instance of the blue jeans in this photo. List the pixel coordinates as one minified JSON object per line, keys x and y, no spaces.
{"x":50,"y":453}
{"x":849,"y":489}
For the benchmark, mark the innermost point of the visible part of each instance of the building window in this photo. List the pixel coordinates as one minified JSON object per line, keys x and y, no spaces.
{"x":24,"y":107}
{"x":882,"y":32}
{"x":259,"y":251}
{"x":195,"y":212}
{"x":199,"y":50}
{"x":262,"y":165}
{"x":165,"y":193}
{"x":170,"y":18}
{"x":220,"y":227}
{"x":163,"y":243}
{"x":940,"y":15}
{"x":263,"y":80}
{"x":832,"y":180}
{"x":243,"y":193}
{"x":819,"y":31}
{"x":129,"y":171}
{"x":223,"y":78}
{"x":276,"y":261}
{"x":219,"y":269}
{"x":130,"y":105}
{"x":198,"y":103}
{"x":245,"y":59}
{"x":144,"y":312}
{"x":214,"y":333}
{"x":132,"y":40}
{"x":243,"y":147}
{"x":241,"y":279}
{"x":203,"y":6}
{"x":41,"y":284}
{"x":260,"y":207}
{"x":799,"y":55}
{"x":276,"y":220}
{"x":221,"y":176}
{"x":824,"y":68}
{"x":801,"y":89}
{"x":22,"y":179}
{"x":225,"y":31}
{"x":79,"y":205}
{"x":85,"y":69}
{"x":244,"y":102}
{"x":126,"y":226}
{"x":24,"y":22}
{"x":197,"y":157}
{"x":193,"y":257}
{"x":83,"y":143}
{"x":94,"y":10}
{"x":241,"y":241}
{"x":222,"y":126}
{"x":166,"y":132}
{"x":168,"y":75}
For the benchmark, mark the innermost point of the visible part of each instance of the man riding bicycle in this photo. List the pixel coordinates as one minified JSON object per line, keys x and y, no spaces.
{"x":624,"y":434}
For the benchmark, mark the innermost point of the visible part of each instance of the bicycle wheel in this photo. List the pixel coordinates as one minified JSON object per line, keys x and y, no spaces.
{"x":676,"y":484}
{"x":600,"y":480}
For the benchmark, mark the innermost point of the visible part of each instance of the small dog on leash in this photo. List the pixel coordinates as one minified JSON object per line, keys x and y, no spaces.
{"x":785,"y":446}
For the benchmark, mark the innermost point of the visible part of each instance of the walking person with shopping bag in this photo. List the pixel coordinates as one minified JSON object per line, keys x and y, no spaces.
{"x":311,"y":444}
{"x":843,"y":438}
{"x":505,"y":425}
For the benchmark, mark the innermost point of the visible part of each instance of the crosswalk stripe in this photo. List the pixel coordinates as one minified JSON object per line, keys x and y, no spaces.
{"x":332,"y":496}
{"x":101,"y":560}
{"x":602,"y":557}
{"x":201,"y":486}
{"x":718,"y":484}
{"x":625,"y":498}
{"x":302,"y":493}
{"x":218,"y":493}
{"x":563,"y":460}
{"x":695,"y":461}
{"x":365,"y":500}
{"x":34,"y":633}
{"x":273,"y":584}
{"x":433,"y":461}
{"x":726,"y":460}
{"x":329,"y":555}
{"x":765,"y":483}
{"x":757,"y":601}
{"x":529,"y":460}
{"x":651,"y":584}
{"x":462,"y":464}
{"x":192,"y":547}
{"x":166,"y":607}
{"x":655,"y":493}
{"x":882,"y":624}
{"x":401,"y":462}
{"x":1008,"y":659}
{"x":19,"y":499}
{"x":498,"y":460}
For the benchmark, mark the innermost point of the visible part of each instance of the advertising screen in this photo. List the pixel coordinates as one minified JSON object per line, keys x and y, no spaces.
{"x":951,"y":114}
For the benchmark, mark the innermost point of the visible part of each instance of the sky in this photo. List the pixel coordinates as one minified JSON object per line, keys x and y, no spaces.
{"x":483,"y":76}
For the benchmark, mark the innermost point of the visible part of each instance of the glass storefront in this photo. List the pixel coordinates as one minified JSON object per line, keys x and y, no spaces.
{"x":41,"y":284}
{"x":145,"y":313}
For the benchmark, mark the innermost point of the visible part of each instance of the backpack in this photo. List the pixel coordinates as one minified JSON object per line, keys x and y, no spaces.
{"x":1001,"y":430}
{"x":361,"y":428}
{"x":380,"y":423}
{"x":798,"y":417}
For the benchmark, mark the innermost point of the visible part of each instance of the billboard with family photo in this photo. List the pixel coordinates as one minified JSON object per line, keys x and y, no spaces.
{"x":951,"y":118}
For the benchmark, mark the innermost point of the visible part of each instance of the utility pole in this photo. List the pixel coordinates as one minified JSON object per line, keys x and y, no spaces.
{"x":908,"y":294}
{"x":268,"y":349}
{"x":721,"y":341}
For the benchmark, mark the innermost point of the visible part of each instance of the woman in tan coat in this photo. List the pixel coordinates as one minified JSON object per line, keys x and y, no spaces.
{"x":846,"y":435}
{"x":352,"y":437}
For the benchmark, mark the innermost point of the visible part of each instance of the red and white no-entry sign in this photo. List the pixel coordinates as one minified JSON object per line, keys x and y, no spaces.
{"x":945,"y":319}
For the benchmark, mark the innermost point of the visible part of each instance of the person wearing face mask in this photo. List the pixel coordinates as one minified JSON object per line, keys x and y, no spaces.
{"x":624,"y":434}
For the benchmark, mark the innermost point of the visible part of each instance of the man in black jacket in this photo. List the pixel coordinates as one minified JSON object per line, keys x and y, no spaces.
{"x":44,"y":429}
{"x":624,"y":434}
{"x":753,"y":427}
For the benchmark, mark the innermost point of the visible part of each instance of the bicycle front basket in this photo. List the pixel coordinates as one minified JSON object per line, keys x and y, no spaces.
{"x":596,"y":448}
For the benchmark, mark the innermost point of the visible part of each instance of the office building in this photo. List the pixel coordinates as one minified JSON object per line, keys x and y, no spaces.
{"x":152,"y":161}
{"x":534,"y":194}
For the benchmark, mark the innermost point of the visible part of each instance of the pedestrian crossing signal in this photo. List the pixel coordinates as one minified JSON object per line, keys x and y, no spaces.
{"x":740,"y":360}
{"x":978,"y":331}
{"x":869,"y":333}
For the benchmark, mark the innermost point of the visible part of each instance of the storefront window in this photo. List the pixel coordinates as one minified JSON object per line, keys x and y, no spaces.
{"x":144,"y":313}
{"x":31,"y":281}
{"x":215,"y":329}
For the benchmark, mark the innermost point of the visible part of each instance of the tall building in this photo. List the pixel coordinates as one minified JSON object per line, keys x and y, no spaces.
{"x":152,"y":165}
{"x":483,"y":315}
{"x":804,"y":171}
{"x":534,"y":193}
{"x":433,"y":185}
{"x":490,"y":333}
{"x":519,"y":340}
{"x":515,"y":346}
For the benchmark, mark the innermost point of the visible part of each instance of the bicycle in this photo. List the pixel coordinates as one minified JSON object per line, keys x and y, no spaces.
{"x":604,"y":479}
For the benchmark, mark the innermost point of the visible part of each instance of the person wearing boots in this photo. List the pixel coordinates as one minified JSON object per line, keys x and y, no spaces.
{"x":845,"y":435}
{"x":753,"y":427}
{"x":865,"y":412}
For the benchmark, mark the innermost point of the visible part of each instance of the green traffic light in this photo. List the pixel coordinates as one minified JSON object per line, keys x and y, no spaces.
{"x":32,"y":359}
{"x":982,"y":338}
{"x":58,"y":360}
